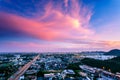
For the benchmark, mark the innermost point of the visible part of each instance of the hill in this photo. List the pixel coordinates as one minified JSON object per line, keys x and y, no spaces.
{"x":115,"y":52}
{"x":107,"y":64}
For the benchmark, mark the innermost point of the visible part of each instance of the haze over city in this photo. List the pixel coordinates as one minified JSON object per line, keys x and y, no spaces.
{"x":59,"y":25}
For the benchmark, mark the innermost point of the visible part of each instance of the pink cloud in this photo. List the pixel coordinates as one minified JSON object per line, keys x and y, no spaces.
{"x":105,"y":45}
{"x":58,"y":25}
{"x":32,"y":46}
{"x":66,"y":3}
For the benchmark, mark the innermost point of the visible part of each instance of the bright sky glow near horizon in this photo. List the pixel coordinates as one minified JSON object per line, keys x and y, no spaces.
{"x":59,"y":25}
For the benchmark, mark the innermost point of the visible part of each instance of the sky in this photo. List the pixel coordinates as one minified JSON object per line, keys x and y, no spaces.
{"x":59,"y":25}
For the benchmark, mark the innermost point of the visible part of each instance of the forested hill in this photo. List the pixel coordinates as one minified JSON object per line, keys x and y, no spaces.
{"x":115,"y":52}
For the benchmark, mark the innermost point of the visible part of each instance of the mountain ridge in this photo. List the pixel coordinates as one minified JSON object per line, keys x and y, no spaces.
{"x":115,"y":52}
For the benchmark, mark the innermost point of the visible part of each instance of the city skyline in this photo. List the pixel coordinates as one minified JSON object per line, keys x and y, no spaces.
{"x":59,"y":25}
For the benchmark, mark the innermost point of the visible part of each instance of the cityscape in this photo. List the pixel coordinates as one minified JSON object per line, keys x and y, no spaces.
{"x":60,"y":66}
{"x":59,"y":39}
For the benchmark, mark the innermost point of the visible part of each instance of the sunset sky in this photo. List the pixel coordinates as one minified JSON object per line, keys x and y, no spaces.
{"x":59,"y":25}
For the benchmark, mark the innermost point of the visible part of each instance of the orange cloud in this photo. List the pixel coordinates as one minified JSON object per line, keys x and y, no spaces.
{"x":112,"y":44}
{"x":104,"y":45}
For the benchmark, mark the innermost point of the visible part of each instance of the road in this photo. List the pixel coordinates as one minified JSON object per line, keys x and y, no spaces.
{"x":19,"y":73}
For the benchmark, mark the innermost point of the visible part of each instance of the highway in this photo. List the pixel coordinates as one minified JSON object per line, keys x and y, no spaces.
{"x":19,"y":73}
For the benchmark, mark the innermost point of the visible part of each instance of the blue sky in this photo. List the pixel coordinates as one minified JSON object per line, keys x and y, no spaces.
{"x":59,"y":25}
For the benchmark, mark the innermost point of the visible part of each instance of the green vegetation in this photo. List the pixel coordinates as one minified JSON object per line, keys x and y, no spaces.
{"x":113,"y":64}
{"x":115,"y":52}
{"x":77,"y":73}
{"x":74,"y":66}
{"x":40,"y":74}
{"x":8,"y":69}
